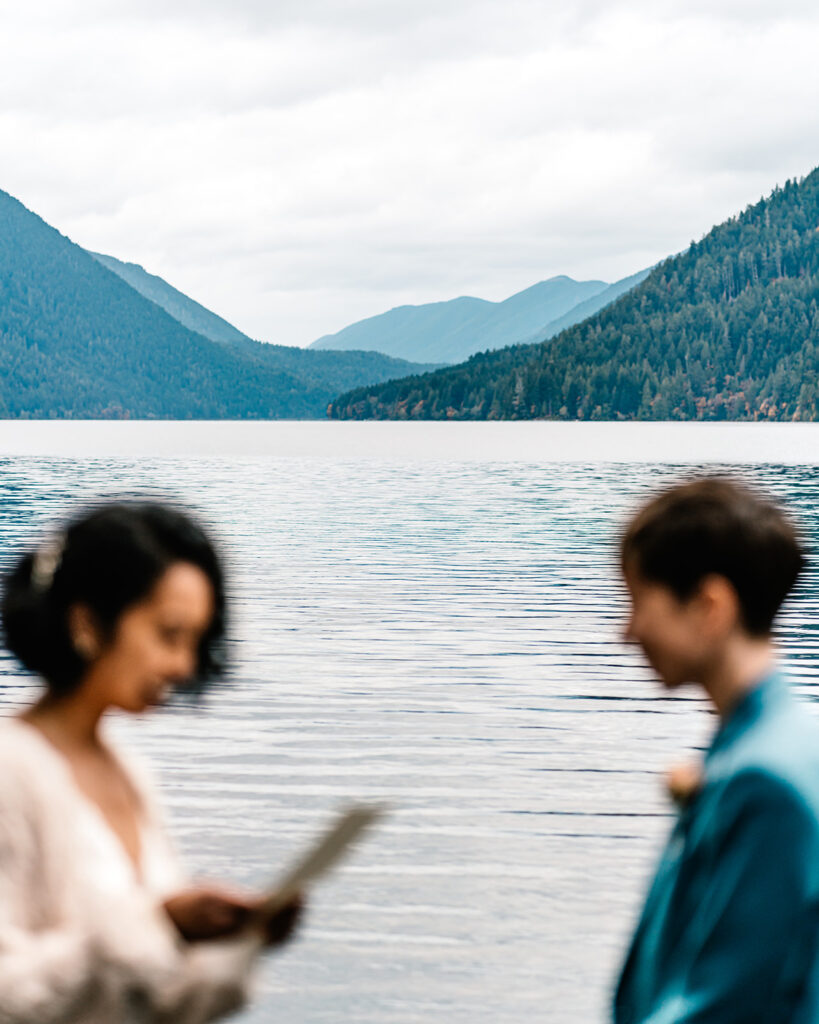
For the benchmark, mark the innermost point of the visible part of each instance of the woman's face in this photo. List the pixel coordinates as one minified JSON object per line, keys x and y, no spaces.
{"x":155,"y":642}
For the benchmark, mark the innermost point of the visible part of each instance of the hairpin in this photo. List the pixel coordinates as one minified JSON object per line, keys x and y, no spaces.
{"x":46,"y":561}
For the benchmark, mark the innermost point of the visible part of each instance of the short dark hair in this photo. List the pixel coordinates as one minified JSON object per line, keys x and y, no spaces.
{"x":715,"y":525}
{"x":108,"y":558}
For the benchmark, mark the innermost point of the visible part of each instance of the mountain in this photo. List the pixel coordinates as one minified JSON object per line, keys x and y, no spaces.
{"x":449,"y":332}
{"x":78,"y":341}
{"x":583,"y":310}
{"x":187,"y":311}
{"x":325,"y":373}
{"x":729,"y":329}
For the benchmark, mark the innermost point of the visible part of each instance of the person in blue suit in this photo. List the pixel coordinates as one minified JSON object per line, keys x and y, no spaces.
{"x":729,"y":933}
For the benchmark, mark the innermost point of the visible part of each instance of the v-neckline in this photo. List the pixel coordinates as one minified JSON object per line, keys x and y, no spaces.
{"x":137,"y":866}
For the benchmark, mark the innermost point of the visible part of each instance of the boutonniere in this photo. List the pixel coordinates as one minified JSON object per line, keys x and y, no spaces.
{"x":683,"y":782}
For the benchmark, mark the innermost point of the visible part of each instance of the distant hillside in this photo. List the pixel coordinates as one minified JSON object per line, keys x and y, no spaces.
{"x":325,"y":374}
{"x":321,"y":374}
{"x":449,"y":332}
{"x":78,"y":341}
{"x":187,"y":311}
{"x":728,"y":329}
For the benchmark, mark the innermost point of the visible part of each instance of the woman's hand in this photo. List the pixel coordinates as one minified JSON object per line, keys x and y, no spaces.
{"x":279,"y":927}
{"x":208,"y":912}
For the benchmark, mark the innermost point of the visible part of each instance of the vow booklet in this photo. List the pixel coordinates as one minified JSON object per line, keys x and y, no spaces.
{"x":318,"y":860}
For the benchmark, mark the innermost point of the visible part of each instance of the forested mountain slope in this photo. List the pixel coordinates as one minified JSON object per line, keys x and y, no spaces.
{"x":321,"y":374}
{"x":583,"y":310}
{"x":187,"y":311}
{"x":728,"y":329}
{"x":77,"y":341}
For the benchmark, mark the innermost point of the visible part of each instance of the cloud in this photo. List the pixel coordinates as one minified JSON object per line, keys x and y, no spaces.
{"x":296,"y":166}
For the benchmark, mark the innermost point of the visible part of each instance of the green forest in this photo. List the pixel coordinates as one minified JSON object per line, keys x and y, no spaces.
{"x":727,"y":330}
{"x":78,"y":341}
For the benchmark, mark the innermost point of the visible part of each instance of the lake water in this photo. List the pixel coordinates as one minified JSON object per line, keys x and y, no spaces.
{"x":426,"y":614}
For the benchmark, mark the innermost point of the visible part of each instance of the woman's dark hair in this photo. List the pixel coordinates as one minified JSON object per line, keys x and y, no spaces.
{"x":716,"y":526}
{"x":107,"y":559}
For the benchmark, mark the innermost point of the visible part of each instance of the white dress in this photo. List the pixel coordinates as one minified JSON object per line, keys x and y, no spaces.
{"x":83,"y":938}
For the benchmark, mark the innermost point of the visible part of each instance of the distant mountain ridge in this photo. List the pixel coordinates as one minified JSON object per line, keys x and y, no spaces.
{"x":729,"y":329}
{"x":583,"y":310}
{"x":451,"y":331}
{"x":187,"y":311}
{"x":76,"y":340}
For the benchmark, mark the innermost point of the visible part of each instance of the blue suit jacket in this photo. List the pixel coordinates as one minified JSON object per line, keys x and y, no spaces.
{"x":730,"y":929}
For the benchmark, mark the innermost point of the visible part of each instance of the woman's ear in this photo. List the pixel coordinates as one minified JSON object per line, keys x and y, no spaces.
{"x":86,"y":638}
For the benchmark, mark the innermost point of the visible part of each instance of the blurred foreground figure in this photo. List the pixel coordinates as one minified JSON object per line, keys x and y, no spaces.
{"x":730,"y":930}
{"x":96,"y":924}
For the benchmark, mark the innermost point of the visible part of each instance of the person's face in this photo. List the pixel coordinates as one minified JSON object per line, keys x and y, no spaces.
{"x":155,"y":642}
{"x":672,"y":633}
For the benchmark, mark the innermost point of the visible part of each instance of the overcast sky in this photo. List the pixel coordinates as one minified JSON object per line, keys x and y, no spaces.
{"x":297,"y":165}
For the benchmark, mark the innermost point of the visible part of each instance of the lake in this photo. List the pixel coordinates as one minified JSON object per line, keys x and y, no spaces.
{"x":429,"y":615}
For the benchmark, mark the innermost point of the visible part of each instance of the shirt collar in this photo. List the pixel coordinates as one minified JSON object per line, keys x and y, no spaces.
{"x":771,"y":689}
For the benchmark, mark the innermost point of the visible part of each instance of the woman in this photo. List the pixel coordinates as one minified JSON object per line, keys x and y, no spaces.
{"x":96,"y":924}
